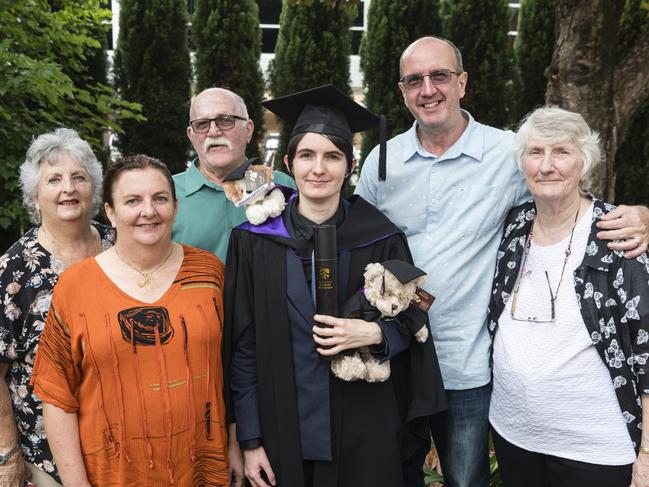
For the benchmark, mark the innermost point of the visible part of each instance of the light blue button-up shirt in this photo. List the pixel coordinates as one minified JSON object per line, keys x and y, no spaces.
{"x":452,"y":209}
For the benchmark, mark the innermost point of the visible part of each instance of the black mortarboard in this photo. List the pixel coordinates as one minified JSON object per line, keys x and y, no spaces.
{"x":402,"y":270}
{"x":240,"y":171}
{"x":327,"y":110}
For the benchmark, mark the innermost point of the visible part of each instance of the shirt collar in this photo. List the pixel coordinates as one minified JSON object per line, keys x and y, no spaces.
{"x":470,"y":143}
{"x":303,"y":227}
{"x":194,"y":180}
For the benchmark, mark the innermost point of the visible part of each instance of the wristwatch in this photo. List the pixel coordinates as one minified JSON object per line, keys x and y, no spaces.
{"x":5,"y":457}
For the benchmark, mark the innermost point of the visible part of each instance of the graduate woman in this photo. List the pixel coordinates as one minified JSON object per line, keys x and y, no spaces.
{"x":296,"y":423}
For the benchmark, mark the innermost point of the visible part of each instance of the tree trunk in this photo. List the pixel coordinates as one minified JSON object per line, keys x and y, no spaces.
{"x":585,"y":77}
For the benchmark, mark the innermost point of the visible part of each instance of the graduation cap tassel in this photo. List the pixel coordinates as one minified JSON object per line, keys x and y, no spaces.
{"x":382,"y":146}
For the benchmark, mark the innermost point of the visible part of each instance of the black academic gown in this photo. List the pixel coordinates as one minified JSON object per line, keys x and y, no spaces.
{"x":372,"y":426}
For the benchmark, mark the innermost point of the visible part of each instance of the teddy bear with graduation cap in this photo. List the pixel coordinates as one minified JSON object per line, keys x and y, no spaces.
{"x":390,"y":288}
{"x":251,"y":185}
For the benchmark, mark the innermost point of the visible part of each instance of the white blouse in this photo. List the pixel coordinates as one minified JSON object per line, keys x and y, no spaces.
{"x":552,"y":393}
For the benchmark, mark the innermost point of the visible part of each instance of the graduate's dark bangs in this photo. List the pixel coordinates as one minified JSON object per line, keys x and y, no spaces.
{"x":341,"y":143}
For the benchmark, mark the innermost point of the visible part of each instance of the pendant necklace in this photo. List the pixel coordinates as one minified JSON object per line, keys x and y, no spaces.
{"x":567,"y":253}
{"x":522,"y":273}
{"x":147,"y":276}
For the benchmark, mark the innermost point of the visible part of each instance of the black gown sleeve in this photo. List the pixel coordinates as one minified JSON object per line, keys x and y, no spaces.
{"x":395,"y":341}
{"x":418,"y":380}
{"x":239,"y":357}
{"x":243,"y":387}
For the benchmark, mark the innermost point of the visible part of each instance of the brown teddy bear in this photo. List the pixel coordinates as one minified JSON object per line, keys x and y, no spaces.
{"x":251,"y":185}
{"x":390,"y":288}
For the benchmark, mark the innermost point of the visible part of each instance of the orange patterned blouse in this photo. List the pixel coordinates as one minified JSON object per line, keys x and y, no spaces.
{"x":144,"y":378}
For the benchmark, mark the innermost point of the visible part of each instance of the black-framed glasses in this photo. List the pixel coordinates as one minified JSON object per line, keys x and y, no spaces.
{"x":223,"y":122}
{"x":436,"y":77}
{"x":532,"y":319}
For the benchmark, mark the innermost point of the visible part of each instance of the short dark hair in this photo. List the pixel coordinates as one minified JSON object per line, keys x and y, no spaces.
{"x":345,"y":145}
{"x":131,"y":163}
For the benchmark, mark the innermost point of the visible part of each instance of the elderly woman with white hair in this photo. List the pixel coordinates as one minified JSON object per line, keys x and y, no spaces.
{"x":569,"y":320}
{"x":61,"y":187}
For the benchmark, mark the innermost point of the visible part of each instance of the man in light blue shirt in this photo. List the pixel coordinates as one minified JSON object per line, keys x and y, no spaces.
{"x":219,"y":129}
{"x":452,"y":209}
{"x":450,"y":183}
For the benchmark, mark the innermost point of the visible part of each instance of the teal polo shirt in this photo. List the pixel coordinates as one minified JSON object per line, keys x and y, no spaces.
{"x":205,"y":216}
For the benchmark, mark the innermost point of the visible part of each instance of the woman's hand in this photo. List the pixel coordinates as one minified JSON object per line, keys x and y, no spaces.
{"x":344,"y":333}
{"x":236,"y":473}
{"x":14,"y":472}
{"x":640,"y":477}
{"x":256,"y":461}
{"x":630,"y":224}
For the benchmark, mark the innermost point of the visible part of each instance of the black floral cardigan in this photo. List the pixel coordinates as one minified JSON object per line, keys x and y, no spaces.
{"x":28,"y":274}
{"x":613,"y":295}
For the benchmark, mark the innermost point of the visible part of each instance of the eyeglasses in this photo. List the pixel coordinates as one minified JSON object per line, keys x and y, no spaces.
{"x":223,"y":122}
{"x":532,"y":319}
{"x":437,"y":77}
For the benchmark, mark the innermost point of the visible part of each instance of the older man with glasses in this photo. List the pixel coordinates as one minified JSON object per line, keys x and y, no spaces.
{"x":219,"y":129}
{"x":450,"y":183}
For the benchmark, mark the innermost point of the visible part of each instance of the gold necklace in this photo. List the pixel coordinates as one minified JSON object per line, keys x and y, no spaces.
{"x":147,"y":276}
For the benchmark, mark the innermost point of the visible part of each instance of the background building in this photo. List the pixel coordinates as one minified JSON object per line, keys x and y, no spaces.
{"x":269,"y":11}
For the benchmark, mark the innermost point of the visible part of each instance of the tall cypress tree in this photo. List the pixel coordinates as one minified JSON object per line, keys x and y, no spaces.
{"x":632,"y":162}
{"x":228,"y":45}
{"x":313,"y":49}
{"x":632,"y":157}
{"x":152,"y":67}
{"x":391,"y":27}
{"x":533,"y":47}
{"x":479,"y":29}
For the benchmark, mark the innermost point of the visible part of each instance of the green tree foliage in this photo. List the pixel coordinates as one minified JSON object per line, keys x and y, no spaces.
{"x":313,"y":49}
{"x":632,"y":157}
{"x":152,"y":67}
{"x":44,"y":50}
{"x":534,"y":46}
{"x":479,"y":29}
{"x":391,"y":27}
{"x":228,"y":45}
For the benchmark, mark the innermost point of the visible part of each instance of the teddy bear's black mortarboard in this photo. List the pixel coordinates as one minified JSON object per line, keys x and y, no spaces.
{"x":240,"y":171}
{"x":403,"y":271}
{"x":327,"y":110}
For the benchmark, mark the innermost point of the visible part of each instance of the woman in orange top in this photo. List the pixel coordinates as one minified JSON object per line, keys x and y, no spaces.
{"x":128,"y":364}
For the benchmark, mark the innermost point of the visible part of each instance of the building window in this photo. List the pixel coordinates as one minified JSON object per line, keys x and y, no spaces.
{"x":269,"y":13}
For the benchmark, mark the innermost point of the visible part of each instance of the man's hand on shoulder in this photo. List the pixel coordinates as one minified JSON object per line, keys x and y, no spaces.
{"x":630,"y":226}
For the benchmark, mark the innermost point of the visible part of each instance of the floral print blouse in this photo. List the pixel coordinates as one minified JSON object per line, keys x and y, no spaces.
{"x":28,"y":274}
{"x":613,"y":295}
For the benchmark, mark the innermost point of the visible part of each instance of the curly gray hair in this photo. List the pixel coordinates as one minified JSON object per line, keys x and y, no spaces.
{"x":553,"y":125}
{"x":48,"y":148}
